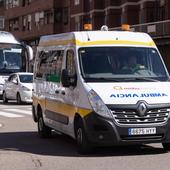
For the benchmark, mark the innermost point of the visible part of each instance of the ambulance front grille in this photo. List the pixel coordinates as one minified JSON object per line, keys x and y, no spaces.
{"x":131,"y":116}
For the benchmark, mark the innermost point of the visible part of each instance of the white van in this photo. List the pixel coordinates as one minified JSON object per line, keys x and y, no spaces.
{"x":102,"y":88}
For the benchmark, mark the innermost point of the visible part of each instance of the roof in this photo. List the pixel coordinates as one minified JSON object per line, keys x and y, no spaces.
{"x":6,"y":37}
{"x":93,"y":38}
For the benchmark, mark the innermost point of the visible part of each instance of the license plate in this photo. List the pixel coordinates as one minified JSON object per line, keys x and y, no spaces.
{"x":141,"y":131}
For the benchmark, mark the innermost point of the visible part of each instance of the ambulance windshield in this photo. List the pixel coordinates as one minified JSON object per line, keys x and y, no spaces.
{"x":121,"y":64}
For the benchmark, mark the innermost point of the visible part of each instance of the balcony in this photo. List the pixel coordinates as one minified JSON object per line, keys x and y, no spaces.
{"x":39,"y":5}
{"x":34,"y":32}
{"x":157,"y":30}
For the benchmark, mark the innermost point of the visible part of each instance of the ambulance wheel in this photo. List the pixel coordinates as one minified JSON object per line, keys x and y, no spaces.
{"x":43,"y":130}
{"x":166,"y":146}
{"x":81,"y":139}
{"x":4,"y":98}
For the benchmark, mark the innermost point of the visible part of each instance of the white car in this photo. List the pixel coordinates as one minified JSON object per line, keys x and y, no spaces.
{"x":18,"y":87}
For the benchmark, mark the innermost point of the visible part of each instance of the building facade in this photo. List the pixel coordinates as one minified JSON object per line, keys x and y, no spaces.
{"x":2,"y":17}
{"x":29,"y":19}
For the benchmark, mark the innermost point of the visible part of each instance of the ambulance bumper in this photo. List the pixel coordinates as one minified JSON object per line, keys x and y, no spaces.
{"x":106,"y":132}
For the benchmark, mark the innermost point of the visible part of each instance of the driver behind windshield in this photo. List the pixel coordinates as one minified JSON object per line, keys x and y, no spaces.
{"x":132,"y":65}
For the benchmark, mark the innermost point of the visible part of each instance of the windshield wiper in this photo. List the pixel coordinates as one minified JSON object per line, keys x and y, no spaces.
{"x":145,"y":78}
{"x":101,"y":79}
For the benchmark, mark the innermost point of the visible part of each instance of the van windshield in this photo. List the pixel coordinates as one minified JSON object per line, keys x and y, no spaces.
{"x":11,"y":58}
{"x":121,"y":64}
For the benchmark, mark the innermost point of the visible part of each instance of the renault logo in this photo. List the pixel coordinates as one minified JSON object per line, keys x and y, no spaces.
{"x":142,"y":109}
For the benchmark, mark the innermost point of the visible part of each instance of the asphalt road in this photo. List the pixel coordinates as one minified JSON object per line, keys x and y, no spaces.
{"x":22,"y":149}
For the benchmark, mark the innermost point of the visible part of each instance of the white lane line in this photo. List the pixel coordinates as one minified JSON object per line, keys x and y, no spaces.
{"x":9,"y":114}
{"x":27,"y":112}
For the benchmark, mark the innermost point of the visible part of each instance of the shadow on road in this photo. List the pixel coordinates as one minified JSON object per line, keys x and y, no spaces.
{"x":61,"y":145}
{"x":13,"y":102}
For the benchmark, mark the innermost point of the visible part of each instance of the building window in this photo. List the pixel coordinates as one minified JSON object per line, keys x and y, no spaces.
{"x":26,"y":2}
{"x":15,"y":3}
{"x":77,"y":23}
{"x":8,"y":4}
{"x":65,"y":16}
{"x":58,"y":15}
{"x":48,"y":17}
{"x":151,"y":15}
{"x":29,"y":2}
{"x":162,"y":2}
{"x":161,"y":11}
{"x":1,"y":3}
{"x":23,"y":2}
{"x":24,"y":21}
{"x":29,"y":22}
{"x":14,"y":24}
{"x":12,"y":3}
{"x":76,"y":2}
{"x":39,"y":19}
{"x":1,"y":22}
{"x":61,"y":15}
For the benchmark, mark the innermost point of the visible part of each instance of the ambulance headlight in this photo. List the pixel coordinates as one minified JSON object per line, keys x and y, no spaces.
{"x":98,"y":105}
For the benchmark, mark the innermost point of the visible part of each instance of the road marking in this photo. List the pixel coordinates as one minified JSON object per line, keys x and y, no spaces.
{"x":27,"y":112}
{"x":11,"y":115}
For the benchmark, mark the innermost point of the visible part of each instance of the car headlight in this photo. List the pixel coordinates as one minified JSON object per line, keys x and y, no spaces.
{"x":25,"y":88}
{"x":98,"y":105}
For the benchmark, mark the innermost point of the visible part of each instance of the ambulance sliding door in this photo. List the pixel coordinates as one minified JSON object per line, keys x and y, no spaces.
{"x":53,"y":101}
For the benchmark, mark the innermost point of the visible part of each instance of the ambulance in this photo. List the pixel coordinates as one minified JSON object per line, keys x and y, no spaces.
{"x":102,"y":88}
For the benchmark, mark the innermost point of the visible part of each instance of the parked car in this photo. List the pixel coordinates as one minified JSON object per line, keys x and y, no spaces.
{"x":18,"y":87}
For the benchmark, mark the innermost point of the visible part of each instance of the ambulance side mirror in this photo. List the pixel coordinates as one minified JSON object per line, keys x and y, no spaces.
{"x":65,"y":78}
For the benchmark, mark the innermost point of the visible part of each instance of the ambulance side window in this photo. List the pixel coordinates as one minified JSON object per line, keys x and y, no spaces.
{"x":71,"y":68}
{"x":70,"y":63}
{"x":54,"y":65}
{"x":41,"y":64}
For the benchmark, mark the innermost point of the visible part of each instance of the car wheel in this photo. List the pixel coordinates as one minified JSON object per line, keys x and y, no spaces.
{"x":83,"y":144}
{"x":4,"y":98}
{"x":19,"y":101}
{"x":166,"y":146}
{"x":43,"y":130}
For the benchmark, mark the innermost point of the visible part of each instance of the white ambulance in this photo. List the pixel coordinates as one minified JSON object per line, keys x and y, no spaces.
{"x":102,"y":88}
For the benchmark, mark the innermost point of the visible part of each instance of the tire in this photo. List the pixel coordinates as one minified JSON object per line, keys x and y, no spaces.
{"x":43,"y":130}
{"x":19,"y":101}
{"x":166,"y":146}
{"x":4,"y":98}
{"x":83,"y":144}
